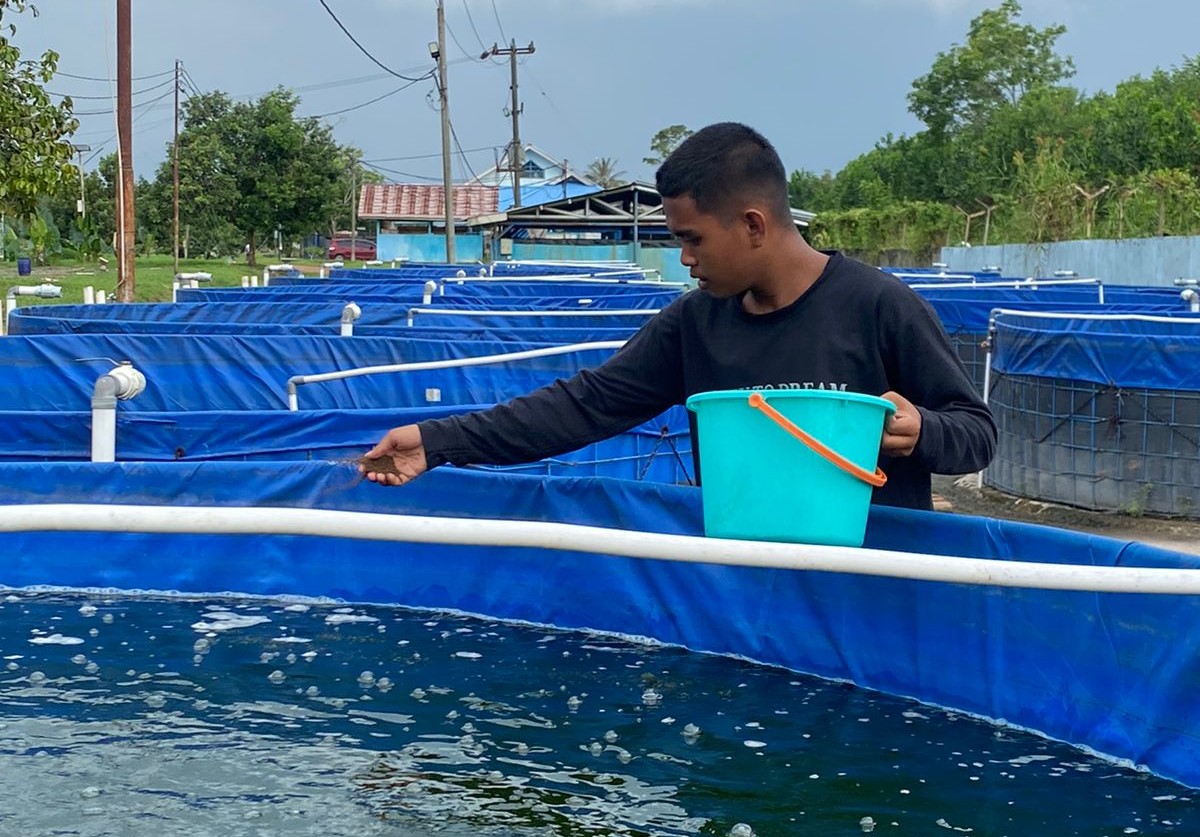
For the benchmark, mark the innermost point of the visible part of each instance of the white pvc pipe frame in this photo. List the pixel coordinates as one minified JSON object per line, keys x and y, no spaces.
{"x":482,"y":360}
{"x":551,"y":312}
{"x":1013,"y":284}
{"x":209,"y":520}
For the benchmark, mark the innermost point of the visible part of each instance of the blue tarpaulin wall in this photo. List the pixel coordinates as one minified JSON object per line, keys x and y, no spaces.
{"x":422,"y":272}
{"x":972,"y":315}
{"x":226,"y":372}
{"x":1123,"y":352}
{"x":644,"y":453}
{"x":1113,"y":672}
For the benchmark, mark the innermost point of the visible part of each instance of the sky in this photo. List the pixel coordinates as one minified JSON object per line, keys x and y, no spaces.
{"x":822,"y":79}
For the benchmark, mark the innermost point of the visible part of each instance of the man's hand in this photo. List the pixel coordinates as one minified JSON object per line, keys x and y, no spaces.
{"x":398,"y":458}
{"x":901,"y":429}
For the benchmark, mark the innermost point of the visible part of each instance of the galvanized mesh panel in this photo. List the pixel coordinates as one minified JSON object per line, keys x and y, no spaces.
{"x":1097,"y":447}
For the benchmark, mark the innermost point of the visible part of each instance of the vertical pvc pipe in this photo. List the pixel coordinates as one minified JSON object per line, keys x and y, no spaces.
{"x":89,"y":295}
{"x":101,"y":297}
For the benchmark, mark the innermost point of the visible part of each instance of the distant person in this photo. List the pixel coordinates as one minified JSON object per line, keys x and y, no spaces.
{"x":771,"y":313}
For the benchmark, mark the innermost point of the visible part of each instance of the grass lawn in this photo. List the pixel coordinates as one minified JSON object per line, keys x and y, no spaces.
{"x":152,"y":277}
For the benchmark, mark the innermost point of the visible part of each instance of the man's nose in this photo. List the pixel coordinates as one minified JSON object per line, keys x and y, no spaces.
{"x":686,"y":258}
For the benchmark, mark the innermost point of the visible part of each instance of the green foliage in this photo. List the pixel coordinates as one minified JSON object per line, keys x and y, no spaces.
{"x":35,"y":153}
{"x":999,"y":63}
{"x":247,"y":169}
{"x":902,"y":233}
{"x":604,"y":173}
{"x":1030,"y":158}
{"x":666,"y":141}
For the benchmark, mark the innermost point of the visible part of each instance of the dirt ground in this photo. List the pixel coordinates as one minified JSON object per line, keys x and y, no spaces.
{"x":959,"y":495}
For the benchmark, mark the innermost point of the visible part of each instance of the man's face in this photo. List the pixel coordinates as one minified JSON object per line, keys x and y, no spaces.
{"x":715,"y":253}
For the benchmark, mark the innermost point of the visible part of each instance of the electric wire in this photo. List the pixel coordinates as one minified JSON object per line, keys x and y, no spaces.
{"x":362,"y":48}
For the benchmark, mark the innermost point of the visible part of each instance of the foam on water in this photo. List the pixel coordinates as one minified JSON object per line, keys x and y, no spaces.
{"x":183,"y":716}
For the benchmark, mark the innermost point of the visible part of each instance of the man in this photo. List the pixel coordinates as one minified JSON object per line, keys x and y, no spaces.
{"x":771,"y":312}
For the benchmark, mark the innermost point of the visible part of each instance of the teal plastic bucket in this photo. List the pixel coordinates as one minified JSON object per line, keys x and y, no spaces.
{"x":761,"y":482}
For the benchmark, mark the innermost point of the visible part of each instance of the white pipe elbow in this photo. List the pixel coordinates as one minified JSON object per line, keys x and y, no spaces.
{"x":427,"y":292}
{"x":1192,"y":297}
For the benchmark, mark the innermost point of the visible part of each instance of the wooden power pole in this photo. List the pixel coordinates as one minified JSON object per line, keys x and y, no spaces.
{"x":126,"y":223}
{"x":514,"y":159}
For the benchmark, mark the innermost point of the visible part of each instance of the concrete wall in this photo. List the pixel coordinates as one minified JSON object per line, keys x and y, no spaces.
{"x":428,"y":247}
{"x":663,"y":259}
{"x":1129,"y":261}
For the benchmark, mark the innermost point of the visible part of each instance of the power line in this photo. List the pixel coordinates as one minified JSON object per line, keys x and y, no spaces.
{"x":454,"y":38}
{"x":425,"y":156}
{"x":371,"y":101}
{"x":498,"y":23}
{"x":471,"y":20}
{"x":109,"y":80}
{"x":362,"y":48}
{"x":461,"y":154}
{"x":402,"y":173}
{"x":135,"y":93}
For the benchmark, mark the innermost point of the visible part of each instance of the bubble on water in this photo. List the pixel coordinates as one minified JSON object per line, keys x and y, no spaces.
{"x":595,"y":748}
{"x":667,"y":720}
{"x":79,"y":659}
{"x":223,"y":620}
{"x":197,"y":659}
{"x":468,"y":655}
{"x":93,"y":632}
{"x":650,"y":697}
{"x":573,"y":702}
{"x":87,"y":610}
{"x":267,"y":656}
{"x":452,"y":714}
{"x":384,"y":684}
{"x":89,"y":793}
{"x":37,"y":677}
{"x":522,"y":749}
{"x":291,"y":658}
{"x":277,"y":676}
{"x":201,"y":646}
{"x":91,"y":668}
{"x":867,"y":824}
{"x":309,"y":656}
{"x":367,"y":679}
{"x":107,"y":619}
{"x":156,"y":701}
{"x":741,"y":830}
{"x":611,"y":736}
{"x":754,"y":745}
{"x":312,"y":691}
{"x":299,"y":640}
{"x":297,"y":608}
{"x":623,"y":755}
{"x":252,"y":815}
{"x":347,"y":618}
{"x":55,"y":639}
{"x":417,"y":694}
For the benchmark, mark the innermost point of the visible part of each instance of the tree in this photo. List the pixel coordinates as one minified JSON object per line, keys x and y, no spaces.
{"x":604,"y":173}
{"x":999,"y":63}
{"x":666,"y":141}
{"x":248,"y":169}
{"x":35,"y":155}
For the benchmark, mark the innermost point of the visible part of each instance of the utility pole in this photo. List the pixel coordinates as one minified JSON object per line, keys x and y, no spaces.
{"x":438,"y":51}
{"x":81,"y":204}
{"x":126,"y":224}
{"x":175,"y":172}
{"x":512,"y":51}
{"x":353,"y":211}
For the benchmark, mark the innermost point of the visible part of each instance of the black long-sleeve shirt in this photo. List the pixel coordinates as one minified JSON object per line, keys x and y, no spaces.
{"x":856,"y":329}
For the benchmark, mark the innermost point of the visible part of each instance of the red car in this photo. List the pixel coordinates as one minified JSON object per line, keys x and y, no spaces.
{"x":339,"y":248}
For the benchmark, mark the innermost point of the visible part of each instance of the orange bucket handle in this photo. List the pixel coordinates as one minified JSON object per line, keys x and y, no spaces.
{"x":875,"y":479}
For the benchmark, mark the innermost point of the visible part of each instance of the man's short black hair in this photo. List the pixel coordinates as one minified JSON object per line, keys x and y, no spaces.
{"x":721,"y":166}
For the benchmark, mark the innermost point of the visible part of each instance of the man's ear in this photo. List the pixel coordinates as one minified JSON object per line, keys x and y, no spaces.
{"x":755,"y":223}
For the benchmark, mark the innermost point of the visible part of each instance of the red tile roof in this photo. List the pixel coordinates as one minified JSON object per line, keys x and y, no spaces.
{"x":418,"y":200}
